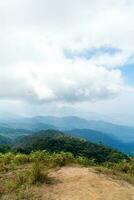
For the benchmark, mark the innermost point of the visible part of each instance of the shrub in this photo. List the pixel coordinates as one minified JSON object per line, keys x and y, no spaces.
{"x":43,"y":157}
{"x":3,"y":167}
{"x":62,"y":159}
{"x":116,"y":157}
{"x":37,"y":175}
{"x":21,"y":178}
{"x":21,"y":159}
{"x":85,"y":161}
{"x":125,"y":167}
{"x":8,"y":158}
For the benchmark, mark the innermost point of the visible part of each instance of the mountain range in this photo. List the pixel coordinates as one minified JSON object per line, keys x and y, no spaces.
{"x":117,"y":136}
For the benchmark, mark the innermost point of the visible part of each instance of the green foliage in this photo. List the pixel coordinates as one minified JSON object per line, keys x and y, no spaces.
{"x":33,"y":156}
{"x":37,"y":175}
{"x":62,"y":158}
{"x":7,"y":158}
{"x":3,"y":167}
{"x":4,"y":148}
{"x":54,"y":141}
{"x":52,"y":159}
{"x":21,"y":159}
{"x":4,"y":140}
{"x":43,"y":156}
{"x":21,"y":178}
{"x":85,"y":161}
{"x":125,"y":167}
{"x":20,"y":171}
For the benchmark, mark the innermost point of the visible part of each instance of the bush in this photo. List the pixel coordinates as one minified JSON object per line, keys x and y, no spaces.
{"x":116,"y":157}
{"x":43,"y":157}
{"x":85,"y":161}
{"x":21,"y":178}
{"x":3,"y":167}
{"x":62,"y":159}
{"x":125,"y":167}
{"x":7,"y":158}
{"x":21,"y":159}
{"x":37,"y":175}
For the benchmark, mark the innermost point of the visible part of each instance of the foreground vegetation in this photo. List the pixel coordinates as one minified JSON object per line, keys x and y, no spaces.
{"x":19,"y":173}
{"x":28,"y":163}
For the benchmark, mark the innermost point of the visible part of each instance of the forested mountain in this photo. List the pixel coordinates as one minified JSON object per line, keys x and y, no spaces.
{"x":13,"y":133}
{"x":4,"y":140}
{"x":55,"y":141}
{"x":96,"y":136}
{"x":121,"y":132}
{"x":37,"y":123}
{"x":103,"y":138}
{"x":116,"y":136}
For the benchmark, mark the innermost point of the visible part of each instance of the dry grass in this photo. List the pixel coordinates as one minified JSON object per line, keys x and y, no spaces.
{"x":42,"y":175}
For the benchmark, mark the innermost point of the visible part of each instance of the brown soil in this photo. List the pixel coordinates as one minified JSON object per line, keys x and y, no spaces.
{"x":76,"y":183}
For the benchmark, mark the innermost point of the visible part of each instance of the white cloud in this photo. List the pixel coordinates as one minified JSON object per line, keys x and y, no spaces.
{"x":66,"y":81}
{"x":33,"y":67}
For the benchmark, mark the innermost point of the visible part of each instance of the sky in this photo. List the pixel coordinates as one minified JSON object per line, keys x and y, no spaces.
{"x":69,"y":57}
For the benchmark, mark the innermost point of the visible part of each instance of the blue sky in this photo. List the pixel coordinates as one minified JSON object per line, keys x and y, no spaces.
{"x":90,"y":53}
{"x":128,"y":73}
{"x":127,"y":70}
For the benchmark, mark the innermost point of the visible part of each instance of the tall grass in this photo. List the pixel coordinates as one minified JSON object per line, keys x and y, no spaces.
{"x":19,"y":171}
{"x":37,"y":175}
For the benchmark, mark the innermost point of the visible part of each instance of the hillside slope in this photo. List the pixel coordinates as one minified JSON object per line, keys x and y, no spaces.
{"x":55,"y":141}
{"x":116,"y":136}
{"x":75,"y":183}
{"x":95,"y":136}
{"x":103,"y":138}
{"x":4,"y":140}
{"x":123,"y":133}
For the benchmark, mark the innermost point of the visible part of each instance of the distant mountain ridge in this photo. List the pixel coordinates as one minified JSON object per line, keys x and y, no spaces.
{"x":117,"y":136}
{"x":124,"y":133}
{"x":103,"y":138}
{"x":4,"y":140}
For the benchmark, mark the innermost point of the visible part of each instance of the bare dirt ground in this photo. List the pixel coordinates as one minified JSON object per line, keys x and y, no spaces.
{"x":75,"y":183}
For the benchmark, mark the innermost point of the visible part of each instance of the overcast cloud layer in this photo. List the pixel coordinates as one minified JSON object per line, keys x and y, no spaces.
{"x":65,"y":51}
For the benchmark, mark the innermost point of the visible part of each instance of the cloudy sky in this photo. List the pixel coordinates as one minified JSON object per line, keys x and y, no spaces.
{"x":70,"y":56}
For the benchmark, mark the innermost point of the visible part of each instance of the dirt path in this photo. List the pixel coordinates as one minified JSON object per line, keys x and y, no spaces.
{"x":77,"y":183}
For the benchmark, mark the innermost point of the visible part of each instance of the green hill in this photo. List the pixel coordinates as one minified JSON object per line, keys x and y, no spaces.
{"x":4,"y":140}
{"x":55,"y":141}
